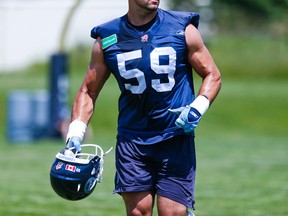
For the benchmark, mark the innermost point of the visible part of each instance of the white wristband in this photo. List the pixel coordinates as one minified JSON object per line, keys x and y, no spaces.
{"x":76,"y":128}
{"x":201,"y":103}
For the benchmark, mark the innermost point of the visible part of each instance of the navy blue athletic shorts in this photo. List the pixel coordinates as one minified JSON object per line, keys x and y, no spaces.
{"x":167,"y":168}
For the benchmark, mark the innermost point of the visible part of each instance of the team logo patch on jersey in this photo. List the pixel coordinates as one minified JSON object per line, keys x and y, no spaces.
{"x":180,"y":32}
{"x":144,"y":38}
{"x":108,"y":41}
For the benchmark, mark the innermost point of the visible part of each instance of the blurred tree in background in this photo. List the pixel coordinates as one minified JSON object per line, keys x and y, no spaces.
{"x":239,"y":15}
{"x":249,"y":38}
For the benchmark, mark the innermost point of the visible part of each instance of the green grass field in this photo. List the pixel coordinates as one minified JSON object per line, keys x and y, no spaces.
{"x":242,"y":142}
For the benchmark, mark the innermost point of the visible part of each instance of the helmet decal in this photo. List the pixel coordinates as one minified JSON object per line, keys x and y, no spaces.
{"x":90,"y":184}
{"x":93,"y":171}
{"x":78,"y":187}
{"x":59,"y":165}
{"x":70,"y":168}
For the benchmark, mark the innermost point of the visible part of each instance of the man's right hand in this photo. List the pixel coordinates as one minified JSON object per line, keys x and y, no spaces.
{"x":74,"y":142}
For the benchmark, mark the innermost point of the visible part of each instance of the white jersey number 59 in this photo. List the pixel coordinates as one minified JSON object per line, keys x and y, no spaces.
{"x":168,"y":69}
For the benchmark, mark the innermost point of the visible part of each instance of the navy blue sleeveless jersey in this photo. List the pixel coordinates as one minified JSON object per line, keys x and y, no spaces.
{"x":152,"y":71}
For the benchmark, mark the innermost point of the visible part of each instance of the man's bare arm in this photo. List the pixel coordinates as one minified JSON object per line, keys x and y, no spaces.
{"x":203,"y":63}
{"x":96,"y":75}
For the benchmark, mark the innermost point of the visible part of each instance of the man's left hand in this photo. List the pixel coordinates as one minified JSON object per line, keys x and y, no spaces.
{"x":188,"y":119}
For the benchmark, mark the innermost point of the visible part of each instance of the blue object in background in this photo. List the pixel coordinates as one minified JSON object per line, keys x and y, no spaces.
{"x":44,"y":113}
{"x":28,"y":115}
{"x":59,"y":93}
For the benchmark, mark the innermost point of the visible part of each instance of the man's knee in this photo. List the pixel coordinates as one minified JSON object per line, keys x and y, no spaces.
{"x":167,"y":207}
{"x":138,"y":203}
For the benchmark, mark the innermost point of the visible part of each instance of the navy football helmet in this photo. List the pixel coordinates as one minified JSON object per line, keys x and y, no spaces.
{"x":74,"y":175}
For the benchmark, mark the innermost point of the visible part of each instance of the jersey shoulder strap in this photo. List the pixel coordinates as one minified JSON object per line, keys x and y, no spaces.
{"x":186,"y":17}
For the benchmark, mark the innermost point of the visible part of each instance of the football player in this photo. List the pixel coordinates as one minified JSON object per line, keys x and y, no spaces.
{"x":151,"y":52}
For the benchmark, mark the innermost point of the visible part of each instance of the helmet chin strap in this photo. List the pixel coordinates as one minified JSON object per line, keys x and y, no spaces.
{"x":99,"y":177}
{"x":109,"y":150}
